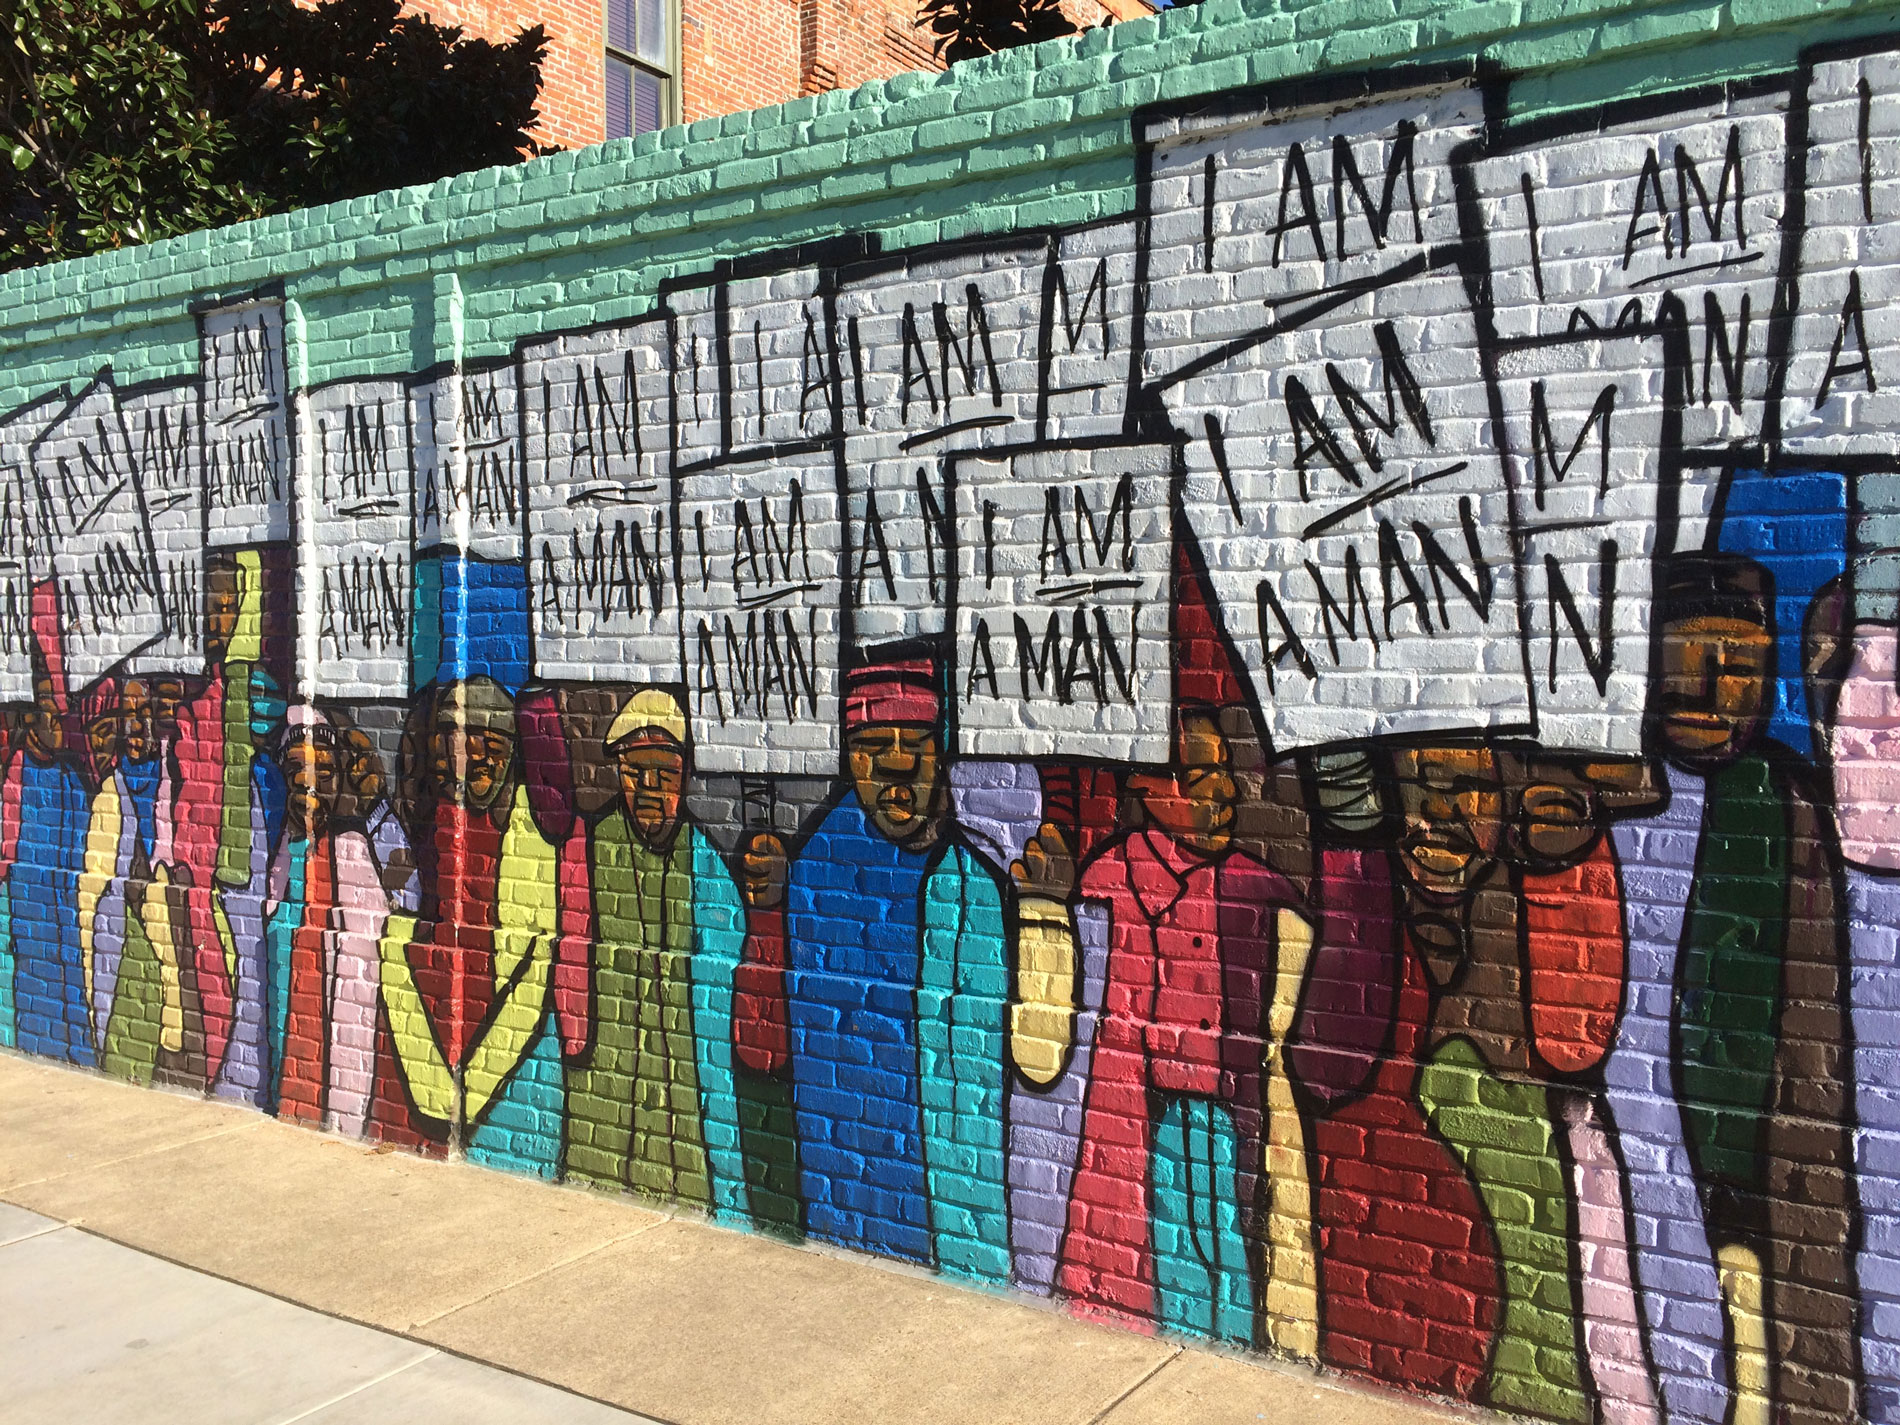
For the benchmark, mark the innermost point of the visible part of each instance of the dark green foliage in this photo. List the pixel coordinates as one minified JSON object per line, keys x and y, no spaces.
{"x":125,"y":121}
{"x":963,"y":29}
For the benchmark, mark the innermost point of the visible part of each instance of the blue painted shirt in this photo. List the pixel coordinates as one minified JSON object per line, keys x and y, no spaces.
{"x":49,"y":980}
{"x":898,"y":982}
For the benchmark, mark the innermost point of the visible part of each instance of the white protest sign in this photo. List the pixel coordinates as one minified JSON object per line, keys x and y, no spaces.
{"x":600,"y":504}
{"x":1310,"y":331}
{"x":361,"y":538}
{"x":761,"y":601}
{"x":246,"y":424}
{"x":1586,"y":426}
{"x":162,"y":424}
{"x":468,"y":461}
{"x":938,"y":353}
{"x":1841,"y":395}
{"x":1590,"y":230}
{"x":1064,"y":569}
{"x":97,"y":537}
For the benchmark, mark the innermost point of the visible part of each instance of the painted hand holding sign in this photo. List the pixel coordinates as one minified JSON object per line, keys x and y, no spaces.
{"x":1296,"y":759}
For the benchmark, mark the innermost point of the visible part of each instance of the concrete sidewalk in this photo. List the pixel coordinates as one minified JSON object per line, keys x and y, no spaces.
{"x":92,"y":1331}
{"x":663,"y":1315}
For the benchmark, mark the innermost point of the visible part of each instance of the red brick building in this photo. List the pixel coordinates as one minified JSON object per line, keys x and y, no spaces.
{"x":616,"y":67}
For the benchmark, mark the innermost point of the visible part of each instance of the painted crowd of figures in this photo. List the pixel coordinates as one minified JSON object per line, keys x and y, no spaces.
{"x":973,"y":808}
{"x":1522,"y":1077}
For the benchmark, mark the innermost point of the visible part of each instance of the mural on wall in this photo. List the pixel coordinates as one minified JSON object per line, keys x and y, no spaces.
{"x":1312,"y":767}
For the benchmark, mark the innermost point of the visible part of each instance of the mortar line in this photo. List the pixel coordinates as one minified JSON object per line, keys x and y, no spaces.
{"x":1116,"y":1404}
{"x":130,"y":1157}
{"x":537,"y":1275}
{"x":358,"y":1389}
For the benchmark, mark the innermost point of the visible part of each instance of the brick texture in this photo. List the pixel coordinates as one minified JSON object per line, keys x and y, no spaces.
{"x":1238,"y":672}
{"x":731,"y":57}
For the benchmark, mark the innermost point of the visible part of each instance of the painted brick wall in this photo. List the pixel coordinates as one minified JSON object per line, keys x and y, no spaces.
{"x":1240,"y":672}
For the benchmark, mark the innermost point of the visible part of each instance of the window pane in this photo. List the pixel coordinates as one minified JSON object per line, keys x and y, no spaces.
{"x":647,"y":96}
{"x":620,"y":25}
{"x":619,"y":99}
{"x":652,"y":30}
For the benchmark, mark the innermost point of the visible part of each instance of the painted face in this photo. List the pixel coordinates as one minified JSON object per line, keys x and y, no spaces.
{"x":471,"y":764}
{"x":1713,"y":695}
{"x":1452,"y":799}
{"x":310,"y":766}
{"x":651,"y":776}
{"x":135,"y":722}
{"x":762,"y":871}
{"x":45,"y":727}
{"x":168,"y":696}
{"x":1197,"y":804}
{"x":1555,"y":822}
{"x":223,"y":595}
{"x":895,"y":769}
{"x":362,"y":767}
{"x":102,"y":741}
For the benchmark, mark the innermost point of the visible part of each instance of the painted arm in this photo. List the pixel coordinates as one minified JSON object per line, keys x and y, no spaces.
{"x":235,"y":820}
{"x":1866,"y":753}
{"x":1042,"y":1008}
{"x":574,"y":947}
{"x":527,"y":919}
{"x":425,"y":1069}
{"x":961,"y":999}
{"x":155,"y":911}
{"x":396,"y":865}
{"x":550,"y":787}
{"x":1346,"y":1015}
{"x":718,"y":939}
{"x":100,"y":870}
{"x":235,"y":834}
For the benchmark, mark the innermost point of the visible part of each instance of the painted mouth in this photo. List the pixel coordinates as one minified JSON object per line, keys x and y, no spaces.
{"x":1440,"y":857}
{"x":1705,"y":729}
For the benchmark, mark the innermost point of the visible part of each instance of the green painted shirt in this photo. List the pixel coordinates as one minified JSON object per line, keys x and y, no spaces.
{"x":1728,"y":983}
{"x":634,"y":1115}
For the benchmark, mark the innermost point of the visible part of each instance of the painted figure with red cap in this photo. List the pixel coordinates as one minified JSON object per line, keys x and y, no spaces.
{"x":898,"y":980}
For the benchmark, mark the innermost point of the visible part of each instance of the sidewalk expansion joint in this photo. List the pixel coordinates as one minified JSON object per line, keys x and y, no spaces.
{"x":245,"y":1126}
{"x":400,"y":1333}
{"x":50,"y":1227}
{"x":359,"y":1388}
{"x":561,"y":1265}
{"x":1156,"y":1369}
